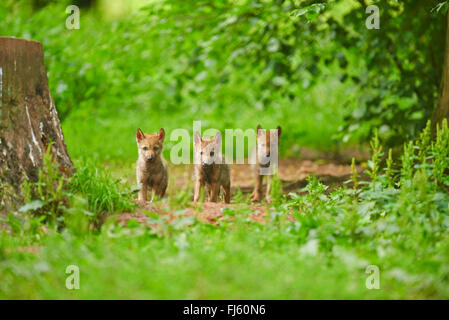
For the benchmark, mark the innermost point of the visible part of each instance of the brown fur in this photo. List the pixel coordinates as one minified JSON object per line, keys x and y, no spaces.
{"x":263,"y":148}
{"x":211,"y":171}
{"x":151,"y":168}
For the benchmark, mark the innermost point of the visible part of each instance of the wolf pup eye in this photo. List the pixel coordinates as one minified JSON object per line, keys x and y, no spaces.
{"x":145,"y":148}
{"x":211,"y":153}
{"x":156,"y":148}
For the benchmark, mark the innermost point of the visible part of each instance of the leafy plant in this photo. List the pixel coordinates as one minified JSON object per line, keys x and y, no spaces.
{"x":103,"y":193}
{"x":389,"y":169}
{"x":49,"y":196}
{"x":276,"y":192}
{"x":374,"y":163}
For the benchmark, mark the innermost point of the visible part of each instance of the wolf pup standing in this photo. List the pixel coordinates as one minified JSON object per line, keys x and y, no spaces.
{"x":211,"y":171}
{"x":267,"y":146}
{"x":151,"y":169}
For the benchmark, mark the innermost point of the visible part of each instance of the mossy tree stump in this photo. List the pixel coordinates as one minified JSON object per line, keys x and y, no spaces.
{"x":29,"y":121}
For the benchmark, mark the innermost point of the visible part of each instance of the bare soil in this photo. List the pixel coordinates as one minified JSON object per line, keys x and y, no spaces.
{"x":293,"y":173}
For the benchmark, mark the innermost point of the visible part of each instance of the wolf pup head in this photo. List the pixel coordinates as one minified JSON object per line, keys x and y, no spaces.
{"x":267,"y":145}
{"x":207,"y":151}
{"x":149,"y":146}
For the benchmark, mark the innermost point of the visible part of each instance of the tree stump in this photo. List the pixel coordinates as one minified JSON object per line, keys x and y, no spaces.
{"x":29,"y":121}
{"x":441,"y":110}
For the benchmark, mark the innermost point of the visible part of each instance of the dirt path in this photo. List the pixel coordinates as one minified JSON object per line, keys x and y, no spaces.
{"x":293,"y":173}
{"x":207,"y":212}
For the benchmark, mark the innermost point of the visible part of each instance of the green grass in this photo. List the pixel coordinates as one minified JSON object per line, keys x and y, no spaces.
{"x":238,"y":259}
{"x":112,"y":76}
{"x":201,"y":262}
{"x":323,"y":253}
{"x":103,"y":192}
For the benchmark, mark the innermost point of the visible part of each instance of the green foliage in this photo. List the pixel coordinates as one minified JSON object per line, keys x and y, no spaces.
{"x":300,"y":64}
{"x":181,"y":198}
{"x":304,"y":65}
{"x":374,"y":163}
{"x":49,"y":195}
{"x":389,"y":169}
{"x":408,"y":158}
{"x":329,"y":243}
{"x":276,"y":192}
{"x":102,"y":191}
{"x":441,"y":7}
{"x":424,"y":143}
{"x":237,"y":63}
{"x":258,"y":38}
{"x":402,"y":67}
{"x":440,"y":154}
{"x":311,"y":12}
{"x":91,"y":192}
{"x":239,"y":197}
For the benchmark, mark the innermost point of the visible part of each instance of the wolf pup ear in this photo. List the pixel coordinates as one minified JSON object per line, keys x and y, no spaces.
{"x":218,"y":138}
{"x":161,"y":135}
{"x":259,"y":130}
{"x":279,"y":131}
{"x":139,"y":135}
{"x":196,"y":138}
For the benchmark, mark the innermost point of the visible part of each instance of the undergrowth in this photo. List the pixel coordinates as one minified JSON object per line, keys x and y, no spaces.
{"x":314,"y":243}
{"x":90,"y":190}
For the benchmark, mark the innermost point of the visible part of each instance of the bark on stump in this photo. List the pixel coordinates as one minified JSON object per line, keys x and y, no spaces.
{"x":28,"y":118}
{"x":442,"y":108}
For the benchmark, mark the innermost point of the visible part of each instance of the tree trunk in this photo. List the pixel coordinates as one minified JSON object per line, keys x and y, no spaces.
{"x":28,"y":119}
{"x":442,"y":109}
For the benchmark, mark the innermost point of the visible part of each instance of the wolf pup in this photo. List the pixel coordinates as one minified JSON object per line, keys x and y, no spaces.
{"x":151,"y":169}
{"x":211,"y":171}
{"x":261,"y":158}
